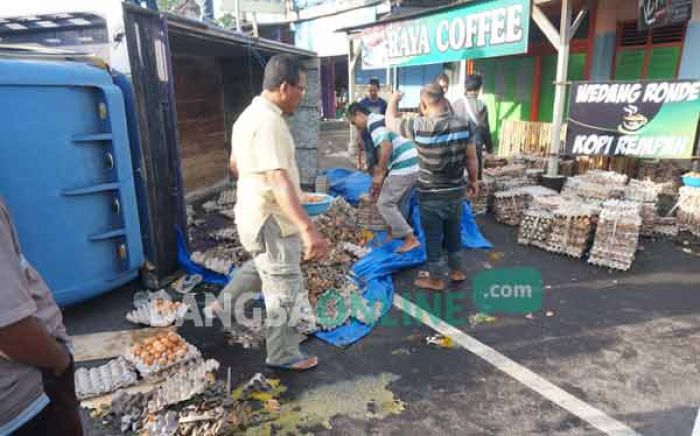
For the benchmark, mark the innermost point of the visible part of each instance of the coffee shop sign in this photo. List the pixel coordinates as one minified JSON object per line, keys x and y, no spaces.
{"x":472,"y":31}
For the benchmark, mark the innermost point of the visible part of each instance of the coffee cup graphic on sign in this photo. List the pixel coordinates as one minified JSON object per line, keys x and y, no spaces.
{"x":633,"y":121}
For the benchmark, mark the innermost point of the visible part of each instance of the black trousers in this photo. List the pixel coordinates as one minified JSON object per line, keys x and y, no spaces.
{"x":61,"y":417}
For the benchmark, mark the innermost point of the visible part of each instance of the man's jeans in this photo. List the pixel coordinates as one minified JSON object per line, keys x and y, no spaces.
{"x":441,"y":221}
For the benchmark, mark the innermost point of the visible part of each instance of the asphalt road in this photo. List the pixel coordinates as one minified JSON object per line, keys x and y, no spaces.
{"x":625,"y":343}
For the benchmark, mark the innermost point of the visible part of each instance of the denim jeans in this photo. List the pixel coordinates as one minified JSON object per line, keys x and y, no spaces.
{"x":441,"y":220}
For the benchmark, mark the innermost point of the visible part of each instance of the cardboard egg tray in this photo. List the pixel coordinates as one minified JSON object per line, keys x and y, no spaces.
{"x":571,"y":232}
{"x":480,"y":205}
{"x":689,"y":210}
{"x":368,"y":216}
{"x":535,"y":228}
{"x":157,"y":313}
{"x":617,"y":235}
{"x":321,"y":185}
{"x":93,"y":382}
{"x":154,"y":355}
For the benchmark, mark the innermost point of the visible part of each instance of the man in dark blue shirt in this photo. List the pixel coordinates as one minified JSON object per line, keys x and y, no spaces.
{"x":375,"y":105}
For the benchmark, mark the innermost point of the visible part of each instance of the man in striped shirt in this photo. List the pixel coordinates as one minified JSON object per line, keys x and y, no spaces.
{"x":445,"y":149}
{"x":394,"y":176}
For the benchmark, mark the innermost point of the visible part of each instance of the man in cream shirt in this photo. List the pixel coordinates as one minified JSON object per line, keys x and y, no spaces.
{"x":271,"y":222}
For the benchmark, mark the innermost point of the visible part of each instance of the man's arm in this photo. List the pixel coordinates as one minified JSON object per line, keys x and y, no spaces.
{"x":286,"y":196}
{"x":393,"y":116}
{"x":381,"y":170}
{"x":471,"y":163}
{"x":27,"y":341}
{"x":22,"y":337}
{"x":360,"y":150}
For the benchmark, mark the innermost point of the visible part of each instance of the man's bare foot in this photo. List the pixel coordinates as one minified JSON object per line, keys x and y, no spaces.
{"x":389,"y":235}
{"x":425,"y":281}
{"x":409,"y":243}
{"x":213,"y":310}
{"x":457,"y":276}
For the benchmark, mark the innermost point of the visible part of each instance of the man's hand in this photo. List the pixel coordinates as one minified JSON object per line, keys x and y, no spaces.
{"x":28,"y":342}
{"x":64,"y":364}
{"x":472,"y":191}
{"x":315,"y":245}
{"x":377,"y":183}
{"x":396,"y":96}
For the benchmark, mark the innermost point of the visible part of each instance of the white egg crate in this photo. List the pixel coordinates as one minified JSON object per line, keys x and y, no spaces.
{"x":157,"y":312}
{"x":92,"y":382}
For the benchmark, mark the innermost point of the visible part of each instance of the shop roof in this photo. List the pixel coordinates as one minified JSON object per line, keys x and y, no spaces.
{"x":429,"y":11}
{"x":400,"y":17}
{"x":208,"y":39}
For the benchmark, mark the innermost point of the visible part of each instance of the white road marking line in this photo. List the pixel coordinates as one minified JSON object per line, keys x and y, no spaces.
{"x":550,"y":391}
{"x":696,"y":427}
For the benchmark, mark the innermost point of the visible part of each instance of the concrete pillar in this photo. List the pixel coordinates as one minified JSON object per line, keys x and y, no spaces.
{"x":604,"y":40}
{"x":690,"y":63}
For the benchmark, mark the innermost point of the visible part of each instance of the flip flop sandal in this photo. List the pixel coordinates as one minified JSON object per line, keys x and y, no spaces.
{"x":297,"y":365}
{"x":420,"y":282}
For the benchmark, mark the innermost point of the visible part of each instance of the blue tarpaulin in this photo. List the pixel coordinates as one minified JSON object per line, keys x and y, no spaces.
{"x":190,"y":267}
{"x":373,"y":271}
{"x":348,"y":184}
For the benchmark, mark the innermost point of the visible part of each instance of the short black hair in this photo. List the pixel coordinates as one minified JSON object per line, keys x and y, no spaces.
{"x":374,"y":81}
{"x":473,"y":82}
{"x":356,"y":108}
{"x":442,"y":77}
{"x":432,"y":92}
{"x":282,"y":68}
